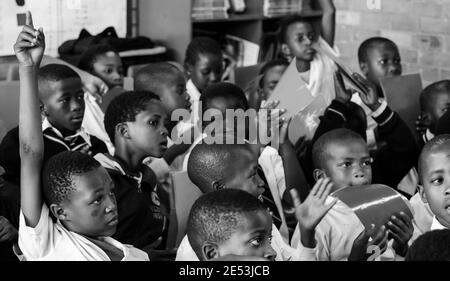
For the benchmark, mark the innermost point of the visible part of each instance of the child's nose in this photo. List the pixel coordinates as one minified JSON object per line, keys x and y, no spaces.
{"x":270,"y":254}
{"x":76,"y":104}
{"x":214,"y":77}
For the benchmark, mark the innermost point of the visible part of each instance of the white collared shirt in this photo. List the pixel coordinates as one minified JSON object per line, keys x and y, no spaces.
{"x":436,"y":225}
{"x":81,"y":132}
{"x":194,"y":98}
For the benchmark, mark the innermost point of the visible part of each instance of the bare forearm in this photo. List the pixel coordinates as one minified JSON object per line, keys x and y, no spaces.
{"x":328,"y":20}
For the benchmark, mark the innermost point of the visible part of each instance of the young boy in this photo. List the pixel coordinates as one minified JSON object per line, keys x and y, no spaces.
{"x":76,"y":189}
{"x":135,"y":122}
{"x":434,"y":172}
{"x":230,"y":222}
{"x":204,"y":66}
{"x":216,"y":166}
{"x":62,"y":106}
{"x":104,"y":62}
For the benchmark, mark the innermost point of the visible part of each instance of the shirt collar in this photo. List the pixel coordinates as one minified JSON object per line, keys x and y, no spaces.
{"x":436,"y":225}
{"x":81,"y":132}
{"x":192,"y":91}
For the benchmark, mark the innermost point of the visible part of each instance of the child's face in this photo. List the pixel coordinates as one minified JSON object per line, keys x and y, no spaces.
{"x":207,"y":70}
{"x":382,"y":61}
{"x":222,"y":104}
{"x":349,"y":164}
{"x":243,"y":174}
{"x":252,"y":238}
{"x":271,"y":78}
{"x":109,"y":68}
{"x":63,"y":104}
{"x":91,"y":209}
{"x":148,"y":133}
{"x":300,"y":39}
{"x":173,"y":93}
{"x":440,"y":103}
{"x":435,"y":177}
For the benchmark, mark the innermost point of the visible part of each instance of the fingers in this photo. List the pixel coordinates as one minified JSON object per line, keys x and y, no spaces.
{"x":29,"y":19}
{"x":380,"y":237}
{"x":316,"y":187}
{"x":295,"y":197}
{"x":326,"y":192}
{"x":322,"y":187}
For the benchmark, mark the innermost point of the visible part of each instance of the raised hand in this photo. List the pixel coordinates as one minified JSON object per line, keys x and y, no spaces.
{"x":363,"y":249}
{"x":30,"y":45}
{"x":342,"y":94}
{"x":401,"y":230}
{"x":370,"y":97}
{"x":313,"y":209}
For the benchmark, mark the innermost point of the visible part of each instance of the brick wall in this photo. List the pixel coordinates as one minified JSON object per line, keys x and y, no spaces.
{"x":421,"y":29}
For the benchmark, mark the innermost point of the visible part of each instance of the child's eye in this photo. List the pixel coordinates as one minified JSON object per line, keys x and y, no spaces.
{"x":368,"y":162}
{"x":437,"y":181}
{"x":98,"y":200}
{"x":108,"y":70}
{"x":397,"y":61}
{"x":256,"y":242}
{"x":152,"y":123}
{"x":382,"y":62}
{"x":346,"y":164}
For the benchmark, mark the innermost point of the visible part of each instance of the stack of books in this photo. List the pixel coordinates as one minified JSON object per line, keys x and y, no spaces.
{"x":210,"y":9}
{"x":274,"y":8}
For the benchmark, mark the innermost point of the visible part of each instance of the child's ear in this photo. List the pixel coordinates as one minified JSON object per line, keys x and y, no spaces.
{"x":286,"y":51}
{"x":58,"y":211}
{"x":122,"y":130}
{"x":210,"y":251}
{"x":43,"y":109}
{"x":364,"y":68}
{"x":217,"y":185}
{"x":318,"y":174}
{"x":423,"y":196}
{"x":188,"y":69}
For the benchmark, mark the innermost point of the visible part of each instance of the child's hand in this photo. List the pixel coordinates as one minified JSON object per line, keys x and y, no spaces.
{"x":370,"y":97}
{"x":401,"y":229}
{"x":422,"y":124}
{"x":284,"y":129}
{"x":94,"y":85}
{"x":363,"y":249}
{"x":342,"y":94}
{"x":313,"y":209}
{"x":30,"y":44}
{"x":7,"y":231}
{"x":274,"y":118}
{"x":86,"y":150}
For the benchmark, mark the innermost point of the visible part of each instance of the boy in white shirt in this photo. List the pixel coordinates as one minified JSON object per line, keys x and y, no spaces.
{"x":76,"y":189}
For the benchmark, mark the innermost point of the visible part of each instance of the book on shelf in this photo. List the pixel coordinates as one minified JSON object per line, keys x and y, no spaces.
{"x":210,"y":9}
{"x":281,"y":7}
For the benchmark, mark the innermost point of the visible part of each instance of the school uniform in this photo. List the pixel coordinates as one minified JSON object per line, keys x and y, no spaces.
{"x":436,"y":225}
{"x":423,"y":216}
{"x":54,"y":143}
{"x":283,"y":250}
{"x":142,"y":206}
{"x":51,"y":241}
{"x":194,"y":98}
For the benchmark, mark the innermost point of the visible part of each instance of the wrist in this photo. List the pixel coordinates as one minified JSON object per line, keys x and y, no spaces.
{"x":24,"y":68}
{"x":307,"y":237}
{"x":400,"y":250}
{"x":374,"y":106}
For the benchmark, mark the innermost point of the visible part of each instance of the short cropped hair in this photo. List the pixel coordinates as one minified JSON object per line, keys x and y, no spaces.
{"x":430,"y":246}
{"x":151,"y":77}
{"x":201,"y":45}
{"x":89,"y":57}
{"x":224,"y":90}
{"x":320,"y":153}
{"x":428,"y":94}
{"x":437,"y":144}
{"x":285,"y":23}
{"x":215,"y":216}
{"x":209,"y":162}
{"x":58,"y":173}
{"x":55,"y":72}
{"x":371,"y":43}
{"x":124,"y":108}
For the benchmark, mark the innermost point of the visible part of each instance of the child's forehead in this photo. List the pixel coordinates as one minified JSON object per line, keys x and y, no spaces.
{"x":383,"y":48}
{"x":208,"y":58}
{"x":53,"y":88}
{"x":437,"y":159}
{"x":299,"y":27}
{"x":256,"y":221}
{"x":152,"y":108}
{"x":350,"y":148}
{"x":91,"y":181}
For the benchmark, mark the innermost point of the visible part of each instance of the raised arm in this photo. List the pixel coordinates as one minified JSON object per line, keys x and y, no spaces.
{"x":328,"y":20}
{"x":29,"y":50}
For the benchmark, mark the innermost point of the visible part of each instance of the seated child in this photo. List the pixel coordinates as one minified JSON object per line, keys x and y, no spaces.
{"x":230,"y":222}
{"x":204,"y":66}
{"x":343,"y":155}
{"x":9,"y":218}
{"x":221,"y":166}
{"x":378,"y":58}
{"x":298,"y":41}
{"x":431,"y":246}
{"x":104,"y":62}
{"x":434,"y":169}
{"x":62,"y":107}
{"x":76,"y":190}
{"x":434,"y":102}
{"x":135,"y":122}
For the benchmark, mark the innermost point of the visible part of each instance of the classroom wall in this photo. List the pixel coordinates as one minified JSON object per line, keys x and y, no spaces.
{"x":421,"y":29}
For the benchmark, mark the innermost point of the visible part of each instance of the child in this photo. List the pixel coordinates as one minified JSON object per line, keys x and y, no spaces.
{"x":230,"y":222}
{"x":299,"y":41}
{"x":434,"y":102}
{"x":76,"y":189}
{"x":431,"y":246}
{"x":434,"y":172}
{"x":135,"y":122}
{"x":378,"y":58}
{"x":214,"y":167}
{"x":204,"y":66}
{"x":104,"y":62}
{"x":62,"y":106}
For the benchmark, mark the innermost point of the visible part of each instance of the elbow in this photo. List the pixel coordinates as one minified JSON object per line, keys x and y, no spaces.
{"x":30,"y":151}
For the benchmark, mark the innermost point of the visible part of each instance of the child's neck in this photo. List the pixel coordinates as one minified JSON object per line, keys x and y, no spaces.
{"x":129,"y":158}
{"x":302,"y":66}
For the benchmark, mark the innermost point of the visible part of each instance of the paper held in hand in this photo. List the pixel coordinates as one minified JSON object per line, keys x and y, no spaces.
{"x":373,"y":204}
